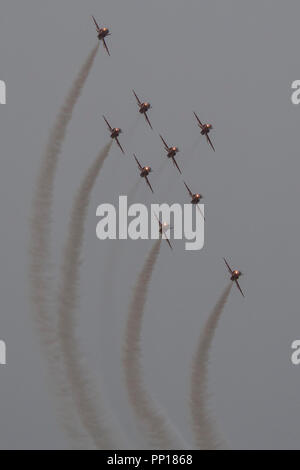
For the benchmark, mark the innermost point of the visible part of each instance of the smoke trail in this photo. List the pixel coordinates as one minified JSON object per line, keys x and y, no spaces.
{"x":204,"y":427}
{"x":40,"y":238}
{"x":82,"y":388}
{"x":155,"y":425}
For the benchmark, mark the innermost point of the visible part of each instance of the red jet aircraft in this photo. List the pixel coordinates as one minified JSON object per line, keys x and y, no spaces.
{"x":114,"y":133}
{"x":235,"y":274}
{"x":163,"y":228}
{"x":102,"y":34}
{"x":144,"y":107}
{"x":145,"y":170}
{"x":205,"y":129}
{"x":171,"y":152}
{"x":195,"y":199}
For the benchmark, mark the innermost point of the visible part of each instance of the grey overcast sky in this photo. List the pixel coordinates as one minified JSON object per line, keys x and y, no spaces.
{"x":233,"y":62}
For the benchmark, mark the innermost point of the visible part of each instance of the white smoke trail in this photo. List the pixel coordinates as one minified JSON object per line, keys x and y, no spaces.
{"x":40,"y":244}
{"x":206,"y":436}
{"x":153,"y":422}
{"x":83,"y":390}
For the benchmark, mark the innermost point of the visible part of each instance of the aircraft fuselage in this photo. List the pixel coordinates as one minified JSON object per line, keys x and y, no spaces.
{"x":103,"y":32}
{"x":196,"y":198}
{"x":206,"y":129}
{"x":145,"y":172}
{"x":235,"y":275}
{"x":144,"y":108}
{"x":115,"y":133}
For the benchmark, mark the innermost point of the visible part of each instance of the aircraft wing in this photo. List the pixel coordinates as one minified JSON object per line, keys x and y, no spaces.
{"x":148,"y":182}
{"x":137,"y":98}
{"x":190,"y":192}
{"x":147,"y":119}
{"x":118,"y":142}
{"x":229,"y":268}
{"x":175,"y":163}
{"x":168,"y":241}
{"x":163,"y":233}
{"x":199,"y":122}
{"x":160,"y":224}
{"x":139,"y":165}
{"x":96,"y":24}
{"x":239,"y":288}
{"x":200,"y":211}
{"x":108,"y":125}
{"x":210,"y":142}
{"x":164,"y":142}
{"x":105,"y":46}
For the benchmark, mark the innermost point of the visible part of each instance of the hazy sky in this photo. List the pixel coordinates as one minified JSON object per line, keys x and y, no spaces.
{"x":231,"y":61}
